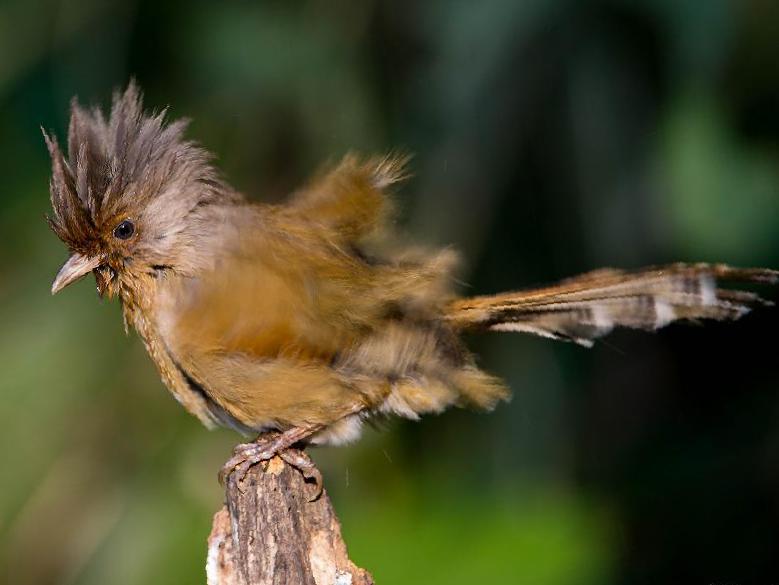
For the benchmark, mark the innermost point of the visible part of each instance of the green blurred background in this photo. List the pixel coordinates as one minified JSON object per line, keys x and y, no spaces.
{"x":551,"y":137}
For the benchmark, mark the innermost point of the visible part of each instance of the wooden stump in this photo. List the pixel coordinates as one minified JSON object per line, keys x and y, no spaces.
{"x":270,"y":533}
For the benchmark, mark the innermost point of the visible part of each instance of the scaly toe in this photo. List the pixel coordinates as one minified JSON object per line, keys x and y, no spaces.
{"x":246,"y":456}
{"x":302,"y":462}
{"x":228,"y":468}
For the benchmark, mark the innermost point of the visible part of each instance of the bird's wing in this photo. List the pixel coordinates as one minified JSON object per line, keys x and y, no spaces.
{"x":351,"y":198}
{"x":247,"y":335}
{"x":260,"y":332}
{"x":588,"y":306}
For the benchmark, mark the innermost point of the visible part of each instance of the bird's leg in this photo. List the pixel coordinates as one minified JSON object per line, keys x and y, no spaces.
{"x":267,"y":446}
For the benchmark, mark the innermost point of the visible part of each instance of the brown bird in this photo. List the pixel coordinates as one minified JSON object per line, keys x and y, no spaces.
{"x":306,"y":319}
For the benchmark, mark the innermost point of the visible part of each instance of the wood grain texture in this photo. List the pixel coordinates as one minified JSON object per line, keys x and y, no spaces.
{"x":270,"y":533}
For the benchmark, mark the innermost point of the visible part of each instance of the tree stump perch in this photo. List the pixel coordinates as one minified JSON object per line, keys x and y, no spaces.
{"x":269,"y":532}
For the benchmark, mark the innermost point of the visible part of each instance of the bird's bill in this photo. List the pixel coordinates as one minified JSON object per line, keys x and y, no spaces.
{"x":76,"y":268}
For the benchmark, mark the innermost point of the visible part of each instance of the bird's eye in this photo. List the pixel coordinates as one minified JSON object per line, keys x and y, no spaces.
{"x":124,"y":230}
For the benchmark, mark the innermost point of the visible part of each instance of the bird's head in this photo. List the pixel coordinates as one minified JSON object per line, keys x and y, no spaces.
{"x":130,"y":198}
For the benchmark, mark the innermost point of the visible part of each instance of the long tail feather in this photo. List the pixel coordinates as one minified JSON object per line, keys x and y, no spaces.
{"x":588,"y":306}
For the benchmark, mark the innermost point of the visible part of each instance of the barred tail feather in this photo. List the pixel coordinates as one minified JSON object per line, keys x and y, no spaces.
{"x":588,"y":306}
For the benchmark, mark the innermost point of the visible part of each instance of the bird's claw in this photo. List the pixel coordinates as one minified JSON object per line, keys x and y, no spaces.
{"x":246,"y":455}
{"x":302,"y":462}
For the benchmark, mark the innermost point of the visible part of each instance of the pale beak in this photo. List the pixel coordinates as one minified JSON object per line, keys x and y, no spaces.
{"x":76,"y":268}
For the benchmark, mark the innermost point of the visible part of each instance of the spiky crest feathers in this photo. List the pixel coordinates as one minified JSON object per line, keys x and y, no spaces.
{"x":121,"y":166}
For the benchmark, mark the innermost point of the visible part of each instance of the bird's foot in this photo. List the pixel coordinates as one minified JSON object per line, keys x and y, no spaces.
{"x":303,"y":463}
{"x":267,"y":446}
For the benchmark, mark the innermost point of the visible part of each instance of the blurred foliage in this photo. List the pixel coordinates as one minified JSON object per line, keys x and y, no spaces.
{"x":551,"y":137}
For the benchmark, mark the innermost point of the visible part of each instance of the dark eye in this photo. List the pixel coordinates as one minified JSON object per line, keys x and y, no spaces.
{"x":124,"y":230}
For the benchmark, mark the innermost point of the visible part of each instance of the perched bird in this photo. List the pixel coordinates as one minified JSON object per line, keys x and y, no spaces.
{"x":305,"y":319}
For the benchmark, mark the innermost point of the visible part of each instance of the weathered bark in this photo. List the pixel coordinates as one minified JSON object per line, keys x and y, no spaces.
{"x":270,"y":533}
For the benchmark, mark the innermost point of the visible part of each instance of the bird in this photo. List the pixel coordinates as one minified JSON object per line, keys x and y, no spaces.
{"x":302,"y":321}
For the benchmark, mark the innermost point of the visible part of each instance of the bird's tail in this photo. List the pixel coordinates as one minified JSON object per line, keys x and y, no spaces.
{"x":588,"y":306}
